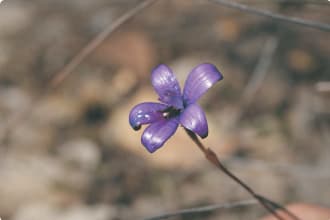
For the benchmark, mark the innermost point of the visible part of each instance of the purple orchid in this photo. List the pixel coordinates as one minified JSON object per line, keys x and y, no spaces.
{"x":176,"y":108}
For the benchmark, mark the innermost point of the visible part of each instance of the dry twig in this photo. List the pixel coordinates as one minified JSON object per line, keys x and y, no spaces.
{"x":203,"y":209}
{"x":279,"y":17}
{"x":60,"y":76}
{"x":258,"y":76}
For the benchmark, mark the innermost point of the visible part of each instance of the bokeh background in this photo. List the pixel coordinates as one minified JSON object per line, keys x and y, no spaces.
{"x":73,"y":155}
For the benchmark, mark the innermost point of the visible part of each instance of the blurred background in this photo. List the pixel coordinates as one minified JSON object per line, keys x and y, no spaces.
{"x":73,"y":155}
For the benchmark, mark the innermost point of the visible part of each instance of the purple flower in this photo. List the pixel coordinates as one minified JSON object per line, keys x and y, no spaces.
{"x":176,"y":108}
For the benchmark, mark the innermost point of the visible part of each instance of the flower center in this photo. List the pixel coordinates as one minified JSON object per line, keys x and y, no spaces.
{"x":171,"y":112}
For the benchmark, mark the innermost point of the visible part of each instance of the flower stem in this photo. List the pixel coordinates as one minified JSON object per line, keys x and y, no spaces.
{"x":269,"y":205}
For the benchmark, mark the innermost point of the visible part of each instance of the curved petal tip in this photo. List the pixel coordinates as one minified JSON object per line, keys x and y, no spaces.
{"x":166,"y":86}
{"x":156,"y":134}
{"x":200,"y":79}
{"x":193,"y":118}
{"x":145,"y":113}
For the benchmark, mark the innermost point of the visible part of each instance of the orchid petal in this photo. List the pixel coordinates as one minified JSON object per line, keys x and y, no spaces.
{"x":167,"y":86}
{"x":156,"y":134}
{"x":193,"y":118}
{"x":200,"y":79}
{"x":145,"y":113}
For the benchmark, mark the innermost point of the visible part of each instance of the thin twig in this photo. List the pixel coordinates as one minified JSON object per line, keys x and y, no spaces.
{"x":203,"y":209}
{"x":260,"y":71}
{"x":310,"y":2}
{"x":257,"y":77}
{"x":213,"y":158}
{"x":94,"y":43}
{"x":266,"y":13}
{"x":60,"y":76}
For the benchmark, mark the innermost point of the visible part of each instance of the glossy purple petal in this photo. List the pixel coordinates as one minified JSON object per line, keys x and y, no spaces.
{"x":156,"y":134}
{"x":145,"y":113}
{"x":193,"y":118}
{"x":200,"y":79}
{"x":167,"y":86}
